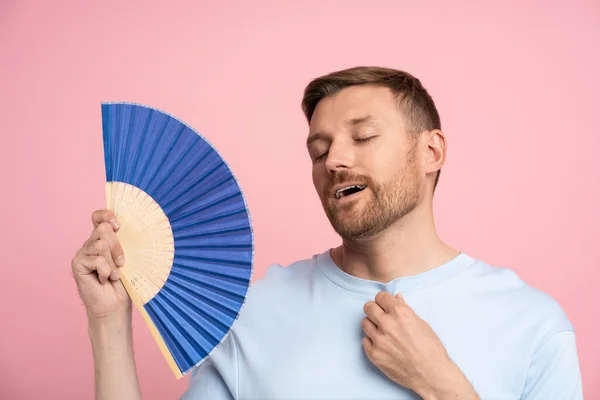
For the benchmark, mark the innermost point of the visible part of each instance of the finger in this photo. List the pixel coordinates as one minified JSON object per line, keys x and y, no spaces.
{"x":369,"y":328}
{"x":101,"y":216}
{"x":115,"y":275}
{"x":105,"y":232}
{"x":86,"y":265}
{"x":368,"y":345}
{"x":386,"y":301}
{"x":374,"y":312}
{"x":399,"y":296}
{"x":99,"y":247}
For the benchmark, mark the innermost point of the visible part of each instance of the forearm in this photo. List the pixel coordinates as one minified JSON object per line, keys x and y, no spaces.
{"x":114,"y":364}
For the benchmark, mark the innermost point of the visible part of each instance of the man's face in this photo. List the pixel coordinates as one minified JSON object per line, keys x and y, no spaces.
{"x":365,"y":166}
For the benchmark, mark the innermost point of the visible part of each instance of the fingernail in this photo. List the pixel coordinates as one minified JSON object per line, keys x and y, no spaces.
{"x":114,"y":223}
{"x":114,"y":275}
{"x":121,"y":260}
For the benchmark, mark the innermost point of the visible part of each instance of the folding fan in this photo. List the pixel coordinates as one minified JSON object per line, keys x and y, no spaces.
{"x":185,"y":230}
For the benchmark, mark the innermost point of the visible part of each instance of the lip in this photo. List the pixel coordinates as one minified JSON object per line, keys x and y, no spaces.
{"x":349,"y":198}
{"x":338,"y":187}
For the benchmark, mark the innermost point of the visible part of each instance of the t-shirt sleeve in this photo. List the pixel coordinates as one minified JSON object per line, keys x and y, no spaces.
{"x":554,"y":372}
{"x":217,"y":377}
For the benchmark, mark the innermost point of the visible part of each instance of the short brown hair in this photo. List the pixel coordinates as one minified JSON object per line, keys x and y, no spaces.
{"x":418,"y":106}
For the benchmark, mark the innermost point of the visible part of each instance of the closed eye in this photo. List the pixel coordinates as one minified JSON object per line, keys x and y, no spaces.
{"x":321,"y":156}
{"x":363,"y":140}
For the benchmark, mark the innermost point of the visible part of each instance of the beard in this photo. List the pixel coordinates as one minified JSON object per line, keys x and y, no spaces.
{"x":387,"y":202}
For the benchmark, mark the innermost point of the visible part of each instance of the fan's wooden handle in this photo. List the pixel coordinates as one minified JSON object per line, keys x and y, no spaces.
{"x":137,"y":302}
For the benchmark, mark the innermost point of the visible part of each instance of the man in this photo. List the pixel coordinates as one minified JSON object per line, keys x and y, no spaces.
{"x":392,"y":313}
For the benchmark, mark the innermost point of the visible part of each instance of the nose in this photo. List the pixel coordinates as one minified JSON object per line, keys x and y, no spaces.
{"x":340,"y":157}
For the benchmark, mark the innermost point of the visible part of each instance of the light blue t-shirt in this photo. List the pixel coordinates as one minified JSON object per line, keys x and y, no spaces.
{"x":299,"y":335}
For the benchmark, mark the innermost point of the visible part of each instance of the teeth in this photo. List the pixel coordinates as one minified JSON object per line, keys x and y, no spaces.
{"x":338,"y":194}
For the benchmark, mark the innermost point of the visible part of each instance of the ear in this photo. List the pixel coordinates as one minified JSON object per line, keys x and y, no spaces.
{"x":435,"y":150}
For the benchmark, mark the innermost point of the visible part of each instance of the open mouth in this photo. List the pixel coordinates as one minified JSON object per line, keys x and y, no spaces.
{"x":349,"y":190}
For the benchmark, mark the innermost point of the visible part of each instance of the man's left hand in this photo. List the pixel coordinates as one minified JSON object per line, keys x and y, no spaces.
{"x":407,"y":350}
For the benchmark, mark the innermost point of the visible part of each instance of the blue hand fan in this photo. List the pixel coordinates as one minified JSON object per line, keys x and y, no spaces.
{"x":185,"y":230}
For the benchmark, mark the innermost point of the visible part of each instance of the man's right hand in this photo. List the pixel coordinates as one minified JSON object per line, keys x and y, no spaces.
{"x":108,"y":306}
{"x":96,"y":271}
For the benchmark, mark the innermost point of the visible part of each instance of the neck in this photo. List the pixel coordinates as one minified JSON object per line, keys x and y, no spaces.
{"x":409,"y":247}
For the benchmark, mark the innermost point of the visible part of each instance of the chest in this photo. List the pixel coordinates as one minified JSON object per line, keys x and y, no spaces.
{"x":323,"y":363}
{"x":320,"y":356}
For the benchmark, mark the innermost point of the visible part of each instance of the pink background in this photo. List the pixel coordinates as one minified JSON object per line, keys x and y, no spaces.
{"x":514,"y":81}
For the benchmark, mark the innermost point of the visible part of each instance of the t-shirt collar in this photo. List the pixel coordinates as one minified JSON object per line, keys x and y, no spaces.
{"x":405,"y":284}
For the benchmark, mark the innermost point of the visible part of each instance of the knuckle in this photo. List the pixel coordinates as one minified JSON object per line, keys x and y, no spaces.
{"x":375,"y":353}
{"x":383,"y":328}
{"x":97,"y":216}
{"x":366,"y":344}
{"x":402,"y":312}
{"x":375,"y":340}
{"x":364,"y":323}
{"x":75,"y":260}
{"x":99,"y":261}
{"x":103,"y":226}
{"x":108,"y":216}
{"x":101,"y":244}
{"x":104,"y":229}
{"x":102,"y":213}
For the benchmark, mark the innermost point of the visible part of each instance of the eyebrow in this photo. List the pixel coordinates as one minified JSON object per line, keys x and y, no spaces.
{"x":351,"y":122}
{"x":360,"y":120}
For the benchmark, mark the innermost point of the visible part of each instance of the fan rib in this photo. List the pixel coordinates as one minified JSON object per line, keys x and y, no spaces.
{"x":208,"y":336}
{"x":215,"y":289}
{"x":196,"y":224}
{"x":229,"y":263}
{"x":233,"y":278}
{"x":170,"y":171}
{"x":139,"y":148}
{"x":125,"y":147}
{"x":162,"y":326}
{"x":153,"y":150}
{"x":116,"y":144}
{"x":185,"y":175}
{"x":224,"y":232}
{"x":167,"y":204}
{"x":203,"y":313}
{"x":169,"y":333}
{"x":215,"y":247}
{"x":152,"y":187}
{"x":108,"y":151}
{"x":206,"y":207}
{"x":217,"y":282}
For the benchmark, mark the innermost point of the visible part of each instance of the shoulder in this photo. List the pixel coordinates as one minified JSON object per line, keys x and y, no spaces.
{"x":285,"y":278}
{"x":525,"y":302}
{"x":534,"y":323}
